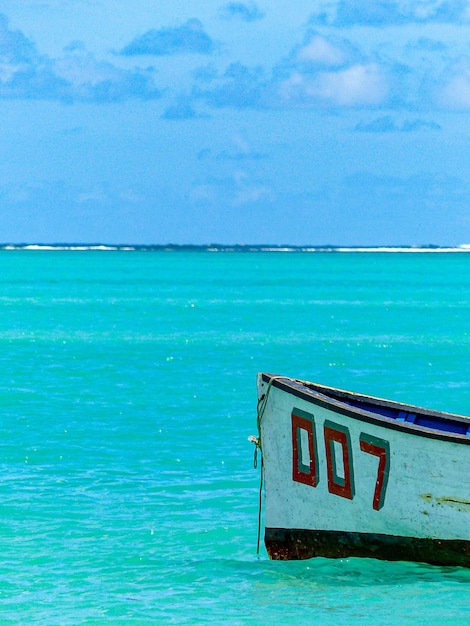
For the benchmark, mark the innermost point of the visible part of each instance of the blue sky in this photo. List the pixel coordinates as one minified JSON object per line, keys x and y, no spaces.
{"x":169,"y":121}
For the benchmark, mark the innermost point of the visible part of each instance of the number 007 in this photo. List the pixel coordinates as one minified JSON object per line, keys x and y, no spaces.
{"x":338,"y":455}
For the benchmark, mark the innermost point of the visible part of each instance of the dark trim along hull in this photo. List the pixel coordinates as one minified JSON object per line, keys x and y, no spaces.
{"x":289,"y":544}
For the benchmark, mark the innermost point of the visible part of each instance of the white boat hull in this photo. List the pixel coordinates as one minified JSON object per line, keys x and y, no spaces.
{"x":342,"y":481}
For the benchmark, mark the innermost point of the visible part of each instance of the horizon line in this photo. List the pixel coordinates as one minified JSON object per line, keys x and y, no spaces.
{"x":215,"y":247}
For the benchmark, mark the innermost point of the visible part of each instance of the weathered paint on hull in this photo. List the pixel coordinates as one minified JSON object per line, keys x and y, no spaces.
{"x":341,"y":481}
{"x":289,"y":544}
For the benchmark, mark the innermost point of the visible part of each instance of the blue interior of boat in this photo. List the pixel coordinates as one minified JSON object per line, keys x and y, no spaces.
{"x":419,"y":419}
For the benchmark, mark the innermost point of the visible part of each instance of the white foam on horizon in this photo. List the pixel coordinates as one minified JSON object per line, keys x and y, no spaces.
{"x":64,"y":247}
{"x":398,"y":249}
{"x":463,"y":248}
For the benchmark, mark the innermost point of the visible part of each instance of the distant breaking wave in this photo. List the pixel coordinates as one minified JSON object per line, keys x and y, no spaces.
{"x":72,"y":246}
{"x":232,"y":248}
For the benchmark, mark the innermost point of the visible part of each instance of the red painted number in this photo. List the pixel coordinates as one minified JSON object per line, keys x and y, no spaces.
{"x":304,"y":448}
{"x":339,"y":470}
{"x":381,"y":449}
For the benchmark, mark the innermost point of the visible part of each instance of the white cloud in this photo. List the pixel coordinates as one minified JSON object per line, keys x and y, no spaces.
{"x":356,"y":85}
{"x":359,"y":85}
{"x":383,"y":13}
{"x":386,"y":124}
{"x":319,"y":50}
{"x":456,"y":91}
{"x":248,"y":12}
{"x":25,"y":73}
{"x":251,"y":195}
{"x":83,"y":69}
{"x":93,"y":195}
{"x":188,"y":38}
{"x":8,"y":70}
{"x":203,"y":194}
{"x":247,"y":191}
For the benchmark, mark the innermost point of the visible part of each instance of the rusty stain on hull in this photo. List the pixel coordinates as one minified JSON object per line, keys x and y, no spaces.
{"x":291,"y":544}
{"x":457,"y":503}
{"x":453,"y":501}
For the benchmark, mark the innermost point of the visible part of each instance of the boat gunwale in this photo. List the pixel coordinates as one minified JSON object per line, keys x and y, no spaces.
{"x":301,"y":389}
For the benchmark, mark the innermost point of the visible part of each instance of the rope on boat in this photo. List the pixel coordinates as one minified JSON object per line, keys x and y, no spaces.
{"x":262,"y":402}
{"x":257,"y":442}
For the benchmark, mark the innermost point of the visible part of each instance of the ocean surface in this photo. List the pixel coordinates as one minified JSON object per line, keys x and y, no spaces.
{"x":127,"y":394}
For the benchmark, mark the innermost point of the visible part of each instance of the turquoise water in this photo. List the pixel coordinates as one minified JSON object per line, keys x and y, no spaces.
{"x":127,"y":392}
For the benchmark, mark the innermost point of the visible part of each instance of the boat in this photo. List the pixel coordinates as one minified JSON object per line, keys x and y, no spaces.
{"x":350,"y":475}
